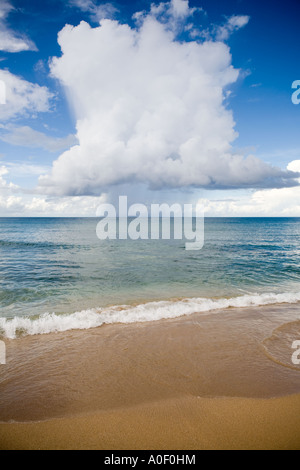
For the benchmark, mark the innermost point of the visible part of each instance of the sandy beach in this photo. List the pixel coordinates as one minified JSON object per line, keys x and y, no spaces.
{"x":186,"y":424}
{"x":200,"y":382}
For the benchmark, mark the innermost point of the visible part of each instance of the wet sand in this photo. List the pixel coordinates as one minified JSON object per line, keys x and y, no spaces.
{"x":223,"y":380}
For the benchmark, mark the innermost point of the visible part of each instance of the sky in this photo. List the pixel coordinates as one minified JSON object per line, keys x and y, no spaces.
{"x":175,"y":101}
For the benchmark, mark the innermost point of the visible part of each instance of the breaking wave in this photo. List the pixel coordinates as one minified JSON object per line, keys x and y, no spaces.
{"x":149,"y":312}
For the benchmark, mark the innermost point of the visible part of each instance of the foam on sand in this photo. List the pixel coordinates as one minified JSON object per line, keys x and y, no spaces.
{"x":152,"y":311}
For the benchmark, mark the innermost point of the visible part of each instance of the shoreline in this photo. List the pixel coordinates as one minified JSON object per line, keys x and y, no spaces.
{"x":170,"y":384}
{"x":137,"y":312}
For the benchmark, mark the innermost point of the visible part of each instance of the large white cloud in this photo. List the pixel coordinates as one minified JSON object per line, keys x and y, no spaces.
{"x":22,"y":97}
{"x":10,"y":41}
{"x":150,"y":109}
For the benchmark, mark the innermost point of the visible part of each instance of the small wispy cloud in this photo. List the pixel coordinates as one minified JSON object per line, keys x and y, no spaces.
{"x":222,"y":32}
{"x":97,"y":12}
{"x":27,"y":137}
{"x":174,"y":15}
{"x":11,"y":41}
{"x":23,"y":98}
{"x":233,"y":24}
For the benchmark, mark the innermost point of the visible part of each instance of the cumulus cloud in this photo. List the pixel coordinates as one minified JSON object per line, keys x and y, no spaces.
{"x":22,"y":97}
{"x":4,"y":185}
{"x":27,"y":137}
{"x":294,"y":166}
{"x":14,"y":205}
{"x":97,"y":12}
{"x":17,"y":201}
{"x":264,"y":203}
{"x":277,"y":202}
{"x":150,"y":109}
{"x":10,"y":41}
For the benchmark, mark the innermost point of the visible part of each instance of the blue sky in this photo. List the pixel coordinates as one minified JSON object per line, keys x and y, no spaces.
{"x":60,"y":156}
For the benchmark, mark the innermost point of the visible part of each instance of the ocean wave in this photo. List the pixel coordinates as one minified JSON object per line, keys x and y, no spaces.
{"x":149,"y":312}
{"x":36,"y":244}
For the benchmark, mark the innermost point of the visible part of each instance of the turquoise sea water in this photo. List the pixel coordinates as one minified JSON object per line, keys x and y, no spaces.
{"x":60,"y":266}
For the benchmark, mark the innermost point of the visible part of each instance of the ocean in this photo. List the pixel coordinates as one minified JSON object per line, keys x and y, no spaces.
{"x":56,"y":275}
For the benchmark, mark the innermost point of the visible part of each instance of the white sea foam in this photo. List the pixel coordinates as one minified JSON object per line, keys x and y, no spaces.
{"x":152,"y":311}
